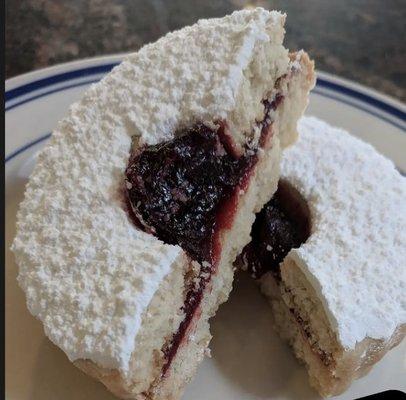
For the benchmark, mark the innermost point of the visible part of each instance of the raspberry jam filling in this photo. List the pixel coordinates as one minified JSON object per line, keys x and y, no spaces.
{"x":185,"y":191}
{"x":283,"y":224}
{"x":177,"y":189}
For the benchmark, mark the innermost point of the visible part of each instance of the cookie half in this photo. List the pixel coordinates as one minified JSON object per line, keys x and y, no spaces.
{"x":146,"y":193}
{"x":329,"y":252}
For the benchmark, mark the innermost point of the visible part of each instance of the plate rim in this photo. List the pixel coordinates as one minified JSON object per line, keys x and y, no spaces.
{"x":380,"y":105}
{"x":18,"y":80}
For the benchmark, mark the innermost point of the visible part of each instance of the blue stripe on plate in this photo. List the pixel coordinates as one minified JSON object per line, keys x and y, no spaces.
{"x":26,"y":147}
{"x":401,"y":126}
{"x":53,"y":79}
{"x":38,"y":96}
{"x":396,"y":112}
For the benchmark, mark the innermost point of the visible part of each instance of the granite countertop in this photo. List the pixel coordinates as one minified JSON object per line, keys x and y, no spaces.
{"x":362,"y":40}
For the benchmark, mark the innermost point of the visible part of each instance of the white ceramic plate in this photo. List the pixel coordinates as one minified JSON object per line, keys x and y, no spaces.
{"x":248,"y":360}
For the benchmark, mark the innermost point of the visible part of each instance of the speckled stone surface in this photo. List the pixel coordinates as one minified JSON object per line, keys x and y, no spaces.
{"x":361,"y":40}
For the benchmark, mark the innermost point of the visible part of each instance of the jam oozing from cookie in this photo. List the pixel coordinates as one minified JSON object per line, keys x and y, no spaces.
{"x":283,"y":224}
{"x":186,"y":192}
{"x":177,"y":189}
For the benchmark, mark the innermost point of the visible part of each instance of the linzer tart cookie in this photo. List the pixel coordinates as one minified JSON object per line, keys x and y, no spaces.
{"x":329,"y":251}
{"x":146,"y":193}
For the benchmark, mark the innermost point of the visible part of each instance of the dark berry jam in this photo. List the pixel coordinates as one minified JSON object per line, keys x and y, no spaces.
{"x":283,"y":224}
{"x":186,"y":192}
{"x":178,"y":189}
